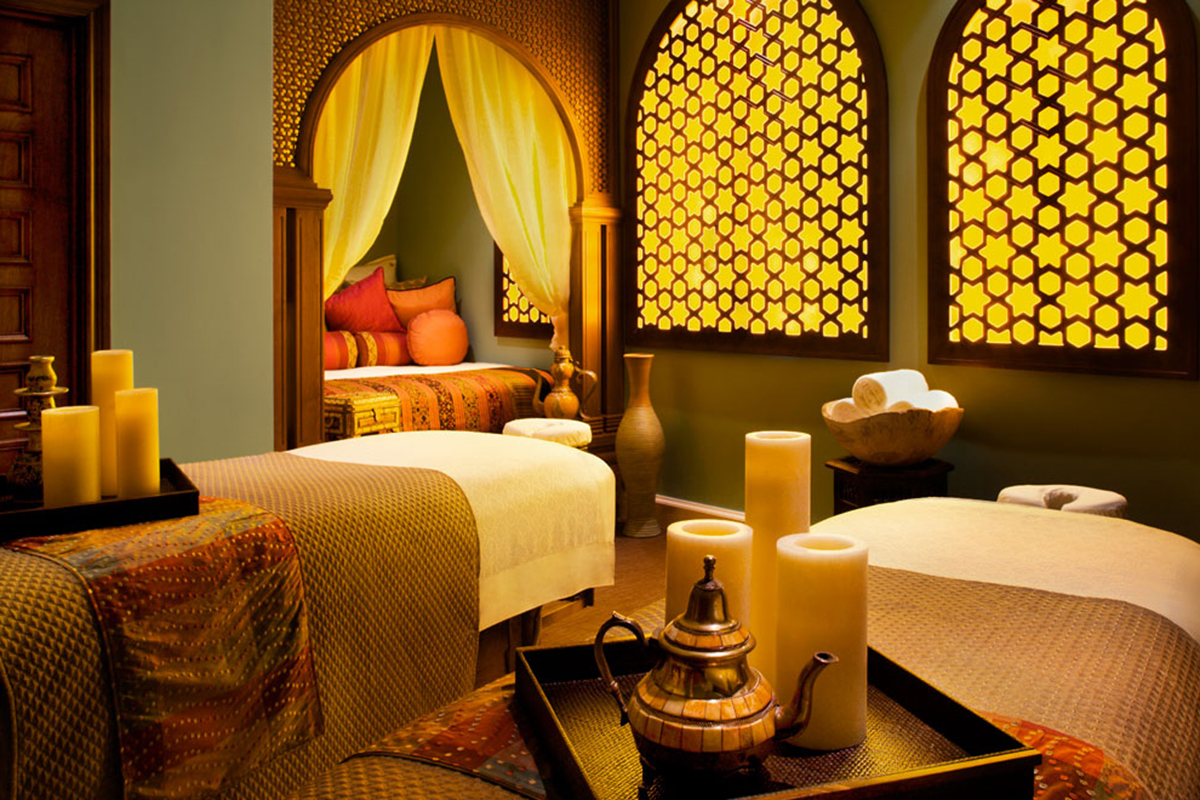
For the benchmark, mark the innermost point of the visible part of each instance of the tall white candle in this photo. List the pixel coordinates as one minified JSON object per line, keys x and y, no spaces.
{"x":778,"y":466}
{"x":112,"y":371}
{"x":688,"y":542}
{"x":823,"y":606}
{"x":70,"y":456}
{"x":137,"y":442}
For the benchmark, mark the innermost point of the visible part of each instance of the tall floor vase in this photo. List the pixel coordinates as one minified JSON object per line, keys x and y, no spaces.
{"x":640,"y":450}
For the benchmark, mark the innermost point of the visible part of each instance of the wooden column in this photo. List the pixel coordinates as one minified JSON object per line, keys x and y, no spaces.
{"x":595,"y":311}
{"x":299,"y":307}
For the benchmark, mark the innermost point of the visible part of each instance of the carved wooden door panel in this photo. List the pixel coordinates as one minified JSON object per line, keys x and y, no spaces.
{"x":37,"y":211}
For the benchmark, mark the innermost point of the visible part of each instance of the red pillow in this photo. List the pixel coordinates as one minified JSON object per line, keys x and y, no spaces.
{"x":340,"y":350}
{"x":407,"y":304}
{"x":437,"y":338}
{"x":382,"y":349}
{"x":363,"y":306}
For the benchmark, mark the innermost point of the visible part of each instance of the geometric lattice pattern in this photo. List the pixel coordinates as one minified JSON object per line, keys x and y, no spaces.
{"x":752,"y":183}
{"x":514,"y":305}
{"x":1069,"y":233}
{"x":568,"y":38}
{"x":1058,"y":179}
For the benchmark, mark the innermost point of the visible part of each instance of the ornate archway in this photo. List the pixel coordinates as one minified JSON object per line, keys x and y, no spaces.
{"x":299,"y":207}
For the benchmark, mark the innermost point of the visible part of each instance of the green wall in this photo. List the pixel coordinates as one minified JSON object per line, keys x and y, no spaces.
{"x":191,"y":217}
{"x":434,"y":228}
{"x":1140,"y":437}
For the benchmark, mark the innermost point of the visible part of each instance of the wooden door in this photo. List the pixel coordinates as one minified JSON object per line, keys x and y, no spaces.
{"x":39,"y":266}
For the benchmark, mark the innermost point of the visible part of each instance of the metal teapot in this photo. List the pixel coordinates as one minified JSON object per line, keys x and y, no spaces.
{"x":562,"y":402}
{"x":703,"y":711}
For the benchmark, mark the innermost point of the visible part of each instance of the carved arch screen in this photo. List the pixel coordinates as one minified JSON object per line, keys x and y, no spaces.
{"x":514,"y":314}
{"x":1062,"y":192}
{"x":758,"y":181}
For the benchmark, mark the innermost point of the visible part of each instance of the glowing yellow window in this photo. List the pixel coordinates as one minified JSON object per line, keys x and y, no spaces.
{"x":765,"y":192}
{"x":1073,"y":116}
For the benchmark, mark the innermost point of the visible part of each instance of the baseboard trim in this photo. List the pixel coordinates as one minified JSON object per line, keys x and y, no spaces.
{"x":672,"y":509}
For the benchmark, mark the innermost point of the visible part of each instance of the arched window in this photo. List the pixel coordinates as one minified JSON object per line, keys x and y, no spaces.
{"x":1062,"y":190}
{"x":758,"y":180}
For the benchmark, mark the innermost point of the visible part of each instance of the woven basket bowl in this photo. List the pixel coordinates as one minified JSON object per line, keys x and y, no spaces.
{"x":895,"y":438}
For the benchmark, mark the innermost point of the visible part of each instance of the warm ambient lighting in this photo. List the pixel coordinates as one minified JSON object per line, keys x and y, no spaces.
{"x":752,"y":174}
{"x":514,"y":305}
{"x":1057,"y":169}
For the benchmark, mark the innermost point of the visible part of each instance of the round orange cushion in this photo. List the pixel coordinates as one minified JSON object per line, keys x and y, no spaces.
{"x":437,"y":338}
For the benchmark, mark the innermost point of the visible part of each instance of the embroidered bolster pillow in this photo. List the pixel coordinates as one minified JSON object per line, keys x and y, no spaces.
{"x":382,"y":349}
{"x":341,"y":352}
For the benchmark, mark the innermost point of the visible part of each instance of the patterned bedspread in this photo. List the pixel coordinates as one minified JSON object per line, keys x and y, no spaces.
{"x":391,"y":581}
{"x":205,"y":635}
{"x":477,"y":400}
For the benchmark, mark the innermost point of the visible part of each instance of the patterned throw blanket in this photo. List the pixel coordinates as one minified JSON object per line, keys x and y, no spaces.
{"x":206,"y":641}
{"x":478,"y":400}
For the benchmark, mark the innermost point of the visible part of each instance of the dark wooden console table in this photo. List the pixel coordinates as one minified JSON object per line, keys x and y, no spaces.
{"x":856,"y":484}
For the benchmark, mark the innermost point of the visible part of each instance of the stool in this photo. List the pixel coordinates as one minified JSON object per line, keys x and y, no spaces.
{"x":571,"y":432}
{"x":1064,"y":497}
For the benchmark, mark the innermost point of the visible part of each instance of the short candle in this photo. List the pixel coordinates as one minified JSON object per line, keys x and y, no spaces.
{"x":688,"y":542}
{"x":70,"y":456}
{"x":137,"y":442}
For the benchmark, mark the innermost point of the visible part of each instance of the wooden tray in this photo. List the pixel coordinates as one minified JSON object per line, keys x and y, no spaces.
{"x":177,"y":497}
{"x":920,"y":743}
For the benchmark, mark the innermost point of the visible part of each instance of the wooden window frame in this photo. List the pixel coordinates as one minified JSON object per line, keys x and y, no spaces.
{"x":1180,"y":360}
{"x":873,"y":347}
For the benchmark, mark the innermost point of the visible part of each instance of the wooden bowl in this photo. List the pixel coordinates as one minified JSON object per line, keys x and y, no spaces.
{"x":895,"y":438}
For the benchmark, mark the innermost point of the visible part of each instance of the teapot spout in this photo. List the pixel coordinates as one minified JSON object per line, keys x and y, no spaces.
{"x":792,"y":719}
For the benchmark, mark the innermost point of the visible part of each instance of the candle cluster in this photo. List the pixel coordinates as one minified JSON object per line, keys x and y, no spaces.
{"x":800,"y":592}
{"x":108,"y":448}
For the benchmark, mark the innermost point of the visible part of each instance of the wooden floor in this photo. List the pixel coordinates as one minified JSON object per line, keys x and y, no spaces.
{"x":640,"y":580}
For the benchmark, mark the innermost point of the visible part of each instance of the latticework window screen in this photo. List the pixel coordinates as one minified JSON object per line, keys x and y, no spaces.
{"x":758,"y":180}
{"x":1062,"y":141}
{"x":514,"y":314}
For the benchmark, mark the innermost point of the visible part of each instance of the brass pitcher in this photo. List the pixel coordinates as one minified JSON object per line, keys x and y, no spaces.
{"x":562,"y":402}
{"x":703,"y":712}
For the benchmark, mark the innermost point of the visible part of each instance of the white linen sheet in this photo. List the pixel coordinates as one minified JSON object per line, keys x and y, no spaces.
{"x":545,"y":513}
{"x":409,"y":369}
{"x":1058,"y":551}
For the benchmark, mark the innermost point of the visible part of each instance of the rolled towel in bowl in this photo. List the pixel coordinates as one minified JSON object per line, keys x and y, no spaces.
{"x":843,"y":410}
{"x":875,"y":391}
{"x":935,"y":400}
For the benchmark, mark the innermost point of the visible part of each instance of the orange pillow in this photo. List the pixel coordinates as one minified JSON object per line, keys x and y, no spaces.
{"x":382,"y":349}
{"x":437,"y":338}
{"x":341,"y":351}
{"x":408,"y":303}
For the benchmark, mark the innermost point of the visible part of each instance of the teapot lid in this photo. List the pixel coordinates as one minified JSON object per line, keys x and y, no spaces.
{"x":706,"y":624}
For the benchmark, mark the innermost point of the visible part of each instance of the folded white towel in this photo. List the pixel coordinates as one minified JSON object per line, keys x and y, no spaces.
{"x":875,"y":391}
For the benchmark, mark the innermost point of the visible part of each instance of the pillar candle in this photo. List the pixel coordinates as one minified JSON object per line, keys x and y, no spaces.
{"x":823,"y":606}
{"x":70,"y":456}
{"x":688,"y":542}
{"x":777,"y":505}
{"x":112,"y":371}
{"x":137,"y":442}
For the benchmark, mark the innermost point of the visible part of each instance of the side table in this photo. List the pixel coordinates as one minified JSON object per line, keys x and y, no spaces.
{"x":856,"y":484}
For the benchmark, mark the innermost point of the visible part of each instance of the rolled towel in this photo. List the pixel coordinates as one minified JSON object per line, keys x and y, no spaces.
{"x":1065,"y":497}
{"x":843,"y":410}
{"x":902,"y":405}
{"x":934,"y":400}
{"x":875,"y":391}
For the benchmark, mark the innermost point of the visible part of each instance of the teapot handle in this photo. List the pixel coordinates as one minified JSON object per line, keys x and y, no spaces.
{"x":595,"y":383}
{"x":616,"y":621}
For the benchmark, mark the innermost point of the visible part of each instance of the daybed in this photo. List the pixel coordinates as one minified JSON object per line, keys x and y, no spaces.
{"x":468,"y":396}
{"x":408,"y":546}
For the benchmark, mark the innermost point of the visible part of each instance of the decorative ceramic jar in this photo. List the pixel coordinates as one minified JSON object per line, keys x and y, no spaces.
{"x":562,"y":402}
{"x":640,"y":448}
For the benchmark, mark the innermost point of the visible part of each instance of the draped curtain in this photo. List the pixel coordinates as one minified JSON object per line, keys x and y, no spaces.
{"x":520,"y":162}
{"x":362,"y":143}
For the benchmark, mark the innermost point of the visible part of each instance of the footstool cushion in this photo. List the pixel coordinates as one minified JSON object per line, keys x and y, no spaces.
{"x":571,"y":432}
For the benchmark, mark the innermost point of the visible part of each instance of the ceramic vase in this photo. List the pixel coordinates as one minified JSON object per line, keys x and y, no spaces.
{"x":640,"y":450}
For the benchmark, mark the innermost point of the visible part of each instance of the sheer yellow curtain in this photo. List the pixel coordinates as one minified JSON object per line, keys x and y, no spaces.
{"x":362,"y":143}
{"x":520,"y":162}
